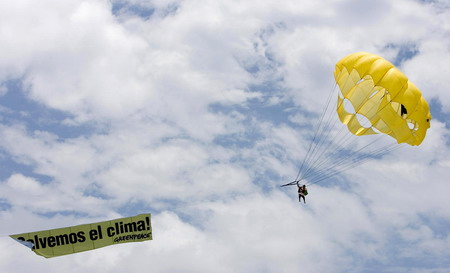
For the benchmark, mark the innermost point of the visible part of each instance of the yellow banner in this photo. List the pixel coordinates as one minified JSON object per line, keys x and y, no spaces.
{"x":63,"y":241}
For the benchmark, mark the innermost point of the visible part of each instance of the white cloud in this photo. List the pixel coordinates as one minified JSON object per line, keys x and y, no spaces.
{"x":173,"y":96}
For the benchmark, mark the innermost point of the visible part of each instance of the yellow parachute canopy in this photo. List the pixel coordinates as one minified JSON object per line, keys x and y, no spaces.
{"x":382,"y":98}
{"x":374,"y":97}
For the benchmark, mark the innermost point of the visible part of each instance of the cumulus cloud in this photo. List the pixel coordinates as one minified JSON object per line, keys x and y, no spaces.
{"x":196,"y":111}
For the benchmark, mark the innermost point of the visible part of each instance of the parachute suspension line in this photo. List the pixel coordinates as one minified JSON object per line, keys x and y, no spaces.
{"x":356,"y":161}
{"x":317,"y":135}
{"x":311,"y":144}
{"x":363,"y":159}
{"x":321,"y":135}
{"x":322,"y":159}
{"x":318,"y":149}
{"x":326,"y":168}
{"x":339,"y":145}
{"x":319,"y":156}
{"x":358,"y":158}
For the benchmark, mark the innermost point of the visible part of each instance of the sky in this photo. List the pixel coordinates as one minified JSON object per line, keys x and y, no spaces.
{"x":196,"y":111}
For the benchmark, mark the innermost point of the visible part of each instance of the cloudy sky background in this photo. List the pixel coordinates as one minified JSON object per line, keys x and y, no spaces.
{"x":196,"y":111}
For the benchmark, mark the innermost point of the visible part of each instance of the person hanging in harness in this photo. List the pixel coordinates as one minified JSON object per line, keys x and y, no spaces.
{"x":302,"y":192}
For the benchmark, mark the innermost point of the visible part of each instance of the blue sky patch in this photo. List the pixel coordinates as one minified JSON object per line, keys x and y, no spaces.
{"x":10,"y":167}
{"x":124,"y":7}
{"x":405,"y":52}
{"x":95,"y":191}
{"x":17,"y":108}
{"x":53,"y":214}
{"x":4,"y":205}
{"x":438,"y":113}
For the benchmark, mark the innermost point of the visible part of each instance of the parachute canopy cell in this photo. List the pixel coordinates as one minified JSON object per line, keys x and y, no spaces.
{"x":376,"y":97}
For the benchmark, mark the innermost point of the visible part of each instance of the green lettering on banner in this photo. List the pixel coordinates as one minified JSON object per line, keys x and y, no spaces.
{"x":69,"y":240}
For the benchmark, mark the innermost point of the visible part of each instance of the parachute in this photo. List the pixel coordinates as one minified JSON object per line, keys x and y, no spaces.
{"x":382,"y":94}
{"x":374,"y":98}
